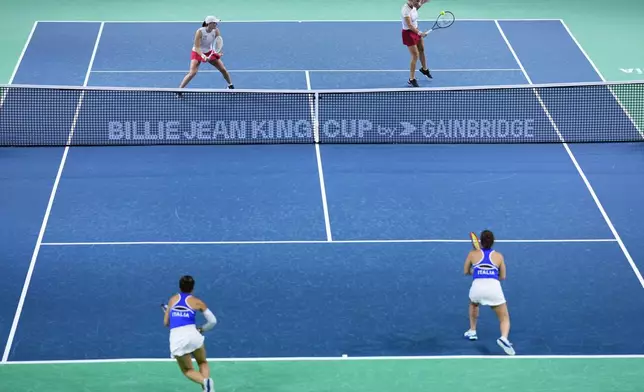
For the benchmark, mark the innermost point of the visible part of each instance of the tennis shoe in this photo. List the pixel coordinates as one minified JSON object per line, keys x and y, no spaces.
{"x":412,"y":82}
{"x":426,"y":73}
{"x":471,"y":335}
{"x":207,"y":385}
{"x":505,"y":345}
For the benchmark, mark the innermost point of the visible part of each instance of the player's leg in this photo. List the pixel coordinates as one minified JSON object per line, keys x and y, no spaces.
{"x":413,"y":51}
{"x":204,"y":368}
{"x":474,"y":315}
{"x":423,"y":59}
{"x":202,"y":361}
{"x":504,"y":322}
{"x":504,"y":319}
{"x":217,"y":63}
{"x":475,"y":296}
{"x":194,"y":67}
{"x":185,"y":364}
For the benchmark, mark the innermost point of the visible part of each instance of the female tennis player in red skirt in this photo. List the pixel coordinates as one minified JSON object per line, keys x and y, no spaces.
{"x":204,"y":38}
{"x":412,"y":37}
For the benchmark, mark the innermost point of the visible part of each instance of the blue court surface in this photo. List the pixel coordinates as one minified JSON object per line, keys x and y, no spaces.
{"x":307,"y":250}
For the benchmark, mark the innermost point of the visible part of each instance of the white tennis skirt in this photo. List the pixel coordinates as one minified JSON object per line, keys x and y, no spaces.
{"x":185,"y":340}
{"x":487,"y":292}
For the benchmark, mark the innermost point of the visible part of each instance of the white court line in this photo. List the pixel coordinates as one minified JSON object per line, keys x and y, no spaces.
{"x":447,"y":241}
{"x":32,"y":265}
{"x":534,"y":90}
{"x":608,"y":221}
{"x":592,"y":63}
{"x":24,"y":50}
{"x":348,"y":358}
{"x":318,"y":155}
{"x":294,"y":21}
{"x":17,"y":66}
{"x":316,"y":70}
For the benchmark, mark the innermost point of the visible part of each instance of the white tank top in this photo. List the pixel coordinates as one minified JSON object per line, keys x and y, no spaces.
{"x":206,"y":40}
{"x":413,"y":16}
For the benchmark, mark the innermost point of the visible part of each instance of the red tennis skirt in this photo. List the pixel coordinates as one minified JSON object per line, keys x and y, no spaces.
{"x":195,"y":56}
{"x":410,"y":38}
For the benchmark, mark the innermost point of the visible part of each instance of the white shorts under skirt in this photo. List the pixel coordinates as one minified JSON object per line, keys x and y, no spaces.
{"x":487,"y":292}
{"x":185,"y":340}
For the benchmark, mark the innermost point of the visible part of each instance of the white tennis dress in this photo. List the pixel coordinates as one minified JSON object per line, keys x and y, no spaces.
{"x":184,"y":337}
{"x":486,"y":288}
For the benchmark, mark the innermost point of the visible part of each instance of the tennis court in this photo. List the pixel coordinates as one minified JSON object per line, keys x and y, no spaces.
{"x":309,"y":251}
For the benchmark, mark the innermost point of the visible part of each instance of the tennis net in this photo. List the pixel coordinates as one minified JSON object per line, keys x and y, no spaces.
{"x":101,"y":116}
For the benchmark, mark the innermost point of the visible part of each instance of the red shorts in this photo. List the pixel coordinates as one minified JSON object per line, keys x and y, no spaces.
{"x":410,"y":38}
{"x":195,"y":56}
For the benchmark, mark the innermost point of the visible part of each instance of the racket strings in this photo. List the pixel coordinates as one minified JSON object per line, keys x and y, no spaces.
{"x":445,"y":20}
{"x":219,"y":43}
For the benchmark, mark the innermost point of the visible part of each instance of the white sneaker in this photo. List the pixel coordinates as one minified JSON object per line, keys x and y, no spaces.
{"x":505,"y":345}
{"x":471,"y":335}
{"x":208,"y":385}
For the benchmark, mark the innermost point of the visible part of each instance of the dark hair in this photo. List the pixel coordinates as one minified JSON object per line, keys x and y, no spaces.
{"x":186,"y":284}
{"x":204,"y":24}
{"x":487,"y":239}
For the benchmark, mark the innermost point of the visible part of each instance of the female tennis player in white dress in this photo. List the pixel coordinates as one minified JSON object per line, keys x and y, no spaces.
{"x":412,"y":38}
{"x":186,"y":340}
{"x":202,"y":49}
{"x":487,"y":268}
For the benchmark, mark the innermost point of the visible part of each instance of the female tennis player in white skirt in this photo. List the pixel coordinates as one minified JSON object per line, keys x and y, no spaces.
{"x":186,"y":340}
{"x":488,"y":268}
{"x":202,"y":49}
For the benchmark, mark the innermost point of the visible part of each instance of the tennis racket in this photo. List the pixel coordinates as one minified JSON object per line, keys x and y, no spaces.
{"x":444,"y":20}
{"x":475,"y":241}
{"x":217,"y":47}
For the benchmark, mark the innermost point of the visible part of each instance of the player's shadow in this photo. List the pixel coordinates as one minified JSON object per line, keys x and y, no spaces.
{"x":429,"y":344}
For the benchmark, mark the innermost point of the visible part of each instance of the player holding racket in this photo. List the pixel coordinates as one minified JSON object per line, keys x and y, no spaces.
{"x":412,"y":37}
{"x":202,"y":51}
{"x":186,"y":340}
{"x":487,"y":268}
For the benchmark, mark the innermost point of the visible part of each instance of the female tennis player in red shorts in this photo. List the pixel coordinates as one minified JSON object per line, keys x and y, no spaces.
{"x":204,"y":38}
{"x":413,"y":39}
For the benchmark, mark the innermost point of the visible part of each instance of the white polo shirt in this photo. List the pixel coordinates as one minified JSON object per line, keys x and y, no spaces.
{"x":412,"y":12}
